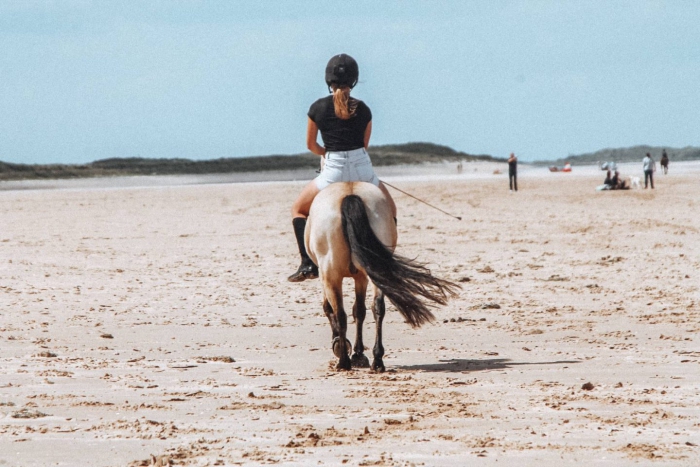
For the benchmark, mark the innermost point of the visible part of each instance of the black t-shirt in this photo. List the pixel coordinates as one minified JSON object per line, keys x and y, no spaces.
{"x":338,"y":134}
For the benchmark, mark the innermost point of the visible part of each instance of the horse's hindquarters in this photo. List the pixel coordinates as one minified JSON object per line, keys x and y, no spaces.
{"x":324,"y":236}
{"x":328,"y":246}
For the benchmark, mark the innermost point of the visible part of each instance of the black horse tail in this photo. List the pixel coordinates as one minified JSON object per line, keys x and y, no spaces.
{"x":405,"y":282}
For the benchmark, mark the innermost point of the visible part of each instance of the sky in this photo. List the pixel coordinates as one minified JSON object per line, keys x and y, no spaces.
{"x":85,"y":80}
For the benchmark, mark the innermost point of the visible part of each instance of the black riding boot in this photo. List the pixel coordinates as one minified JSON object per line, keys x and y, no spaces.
{"x":307,"y":268}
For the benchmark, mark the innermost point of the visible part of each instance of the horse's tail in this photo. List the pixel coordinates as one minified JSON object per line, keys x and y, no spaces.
{"x":403,"y":281}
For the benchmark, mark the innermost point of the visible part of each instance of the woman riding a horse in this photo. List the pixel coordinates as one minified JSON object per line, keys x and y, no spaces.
{"x":345,"y":124}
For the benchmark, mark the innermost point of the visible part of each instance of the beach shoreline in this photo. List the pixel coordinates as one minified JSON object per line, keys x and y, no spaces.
{"x":474,"y":170}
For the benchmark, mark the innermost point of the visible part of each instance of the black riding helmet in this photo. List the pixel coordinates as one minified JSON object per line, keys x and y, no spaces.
{"x":342,"y":70}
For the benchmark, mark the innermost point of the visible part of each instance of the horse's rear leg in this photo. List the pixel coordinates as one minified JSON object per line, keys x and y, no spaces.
{"x":337,"y":347}
{"x":328,"y":310}
{"x":359,"y":311}
{"x":378,"y":309}
{"x":333,"y":307}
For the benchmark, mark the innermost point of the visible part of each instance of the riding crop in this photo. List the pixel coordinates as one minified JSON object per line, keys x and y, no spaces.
{"x":424,"y":202}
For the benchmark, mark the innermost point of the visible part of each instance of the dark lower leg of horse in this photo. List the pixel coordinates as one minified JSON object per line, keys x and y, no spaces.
{"x":378,"y":309}
{"x":340,"y":347}
{"x":359,"y":311}
{"x":333,"y":308}
{"x":328,"y":310}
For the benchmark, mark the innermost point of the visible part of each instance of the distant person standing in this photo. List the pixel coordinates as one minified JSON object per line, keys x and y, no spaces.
{"x":513,"y":172}
{"x":649,"y":167}
{"x":664,"y":162}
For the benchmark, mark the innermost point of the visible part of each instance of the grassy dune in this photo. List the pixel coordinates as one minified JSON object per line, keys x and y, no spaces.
{"x":630,"y":154}
{"x":411,"y":153}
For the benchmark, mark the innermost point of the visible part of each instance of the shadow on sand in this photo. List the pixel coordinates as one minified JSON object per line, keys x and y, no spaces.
{"x":458,"y":365}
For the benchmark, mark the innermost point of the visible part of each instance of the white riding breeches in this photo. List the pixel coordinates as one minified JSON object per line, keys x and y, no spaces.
{"x":347,"y":166}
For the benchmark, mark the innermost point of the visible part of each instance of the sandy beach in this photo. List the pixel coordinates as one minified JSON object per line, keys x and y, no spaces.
{"x":148,"y":321}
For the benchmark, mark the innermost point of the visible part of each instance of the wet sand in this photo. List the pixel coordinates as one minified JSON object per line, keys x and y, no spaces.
{"x":153,"y":325}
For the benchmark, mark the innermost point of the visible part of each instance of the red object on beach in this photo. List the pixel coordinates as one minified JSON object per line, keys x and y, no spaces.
{"x":566,"y":168}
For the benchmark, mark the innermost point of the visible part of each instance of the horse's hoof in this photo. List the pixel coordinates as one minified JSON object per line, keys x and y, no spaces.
{"x":338,"y":348}
{"x":359,"y":361}
{"x":344,"y":365}
{"x":378,"y":366}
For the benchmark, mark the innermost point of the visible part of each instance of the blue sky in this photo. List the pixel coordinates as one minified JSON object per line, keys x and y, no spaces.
{"x":84,"y":80}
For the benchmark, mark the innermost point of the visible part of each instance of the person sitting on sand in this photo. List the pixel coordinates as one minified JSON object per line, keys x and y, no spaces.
{"x":616,"y":183}
{"x":608,"y":180}
{"x":345,"y":124}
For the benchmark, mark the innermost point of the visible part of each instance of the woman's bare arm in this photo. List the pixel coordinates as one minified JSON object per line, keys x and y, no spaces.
{"x":311,"y":139}
{"x":368,"y":133}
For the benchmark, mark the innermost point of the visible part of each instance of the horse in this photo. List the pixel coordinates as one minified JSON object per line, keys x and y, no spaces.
{"x":350,"y":232}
